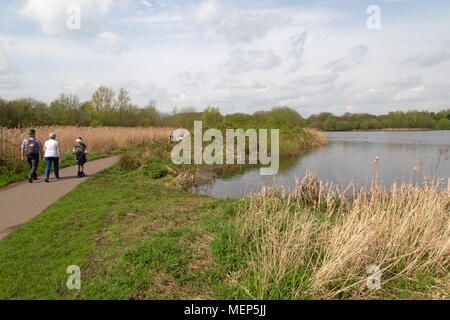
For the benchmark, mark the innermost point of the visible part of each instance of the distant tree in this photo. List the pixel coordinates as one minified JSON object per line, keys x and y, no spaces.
{"x":329,"y":124}
{"x":211,"y":117}
{"x":149,"y":116}
{"x":443,"y":124}
{"x":103,"y":104}
{"x":65,"y":110}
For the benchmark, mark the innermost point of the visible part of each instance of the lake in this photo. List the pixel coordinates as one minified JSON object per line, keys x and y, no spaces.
{"x":349,"y":157}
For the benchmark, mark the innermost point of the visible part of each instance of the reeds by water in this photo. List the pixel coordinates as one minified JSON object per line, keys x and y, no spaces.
{"x":316,"y":242}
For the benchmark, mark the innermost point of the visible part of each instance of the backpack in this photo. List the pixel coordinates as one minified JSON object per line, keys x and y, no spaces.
{"x":80,"y":148}
{"x":32,"y":147}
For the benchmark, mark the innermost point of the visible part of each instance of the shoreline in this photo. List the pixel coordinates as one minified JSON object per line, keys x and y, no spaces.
{"x":385,"y":130}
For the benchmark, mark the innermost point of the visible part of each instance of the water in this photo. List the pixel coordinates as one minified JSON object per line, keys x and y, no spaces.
{"x":349,"y":157}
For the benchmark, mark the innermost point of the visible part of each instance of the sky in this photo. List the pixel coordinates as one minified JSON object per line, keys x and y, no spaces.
{"x":239,"y":56}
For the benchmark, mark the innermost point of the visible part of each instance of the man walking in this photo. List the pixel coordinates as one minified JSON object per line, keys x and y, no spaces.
{"x":31,"y":149}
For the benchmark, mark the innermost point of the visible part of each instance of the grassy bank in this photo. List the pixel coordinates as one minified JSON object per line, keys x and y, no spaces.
{"x":136,"y":233}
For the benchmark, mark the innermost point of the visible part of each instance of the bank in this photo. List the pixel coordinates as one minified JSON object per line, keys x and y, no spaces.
{"x":137,"y":233}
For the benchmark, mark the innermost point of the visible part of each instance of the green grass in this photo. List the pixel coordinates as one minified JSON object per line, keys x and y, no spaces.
{"x":134,"y":236}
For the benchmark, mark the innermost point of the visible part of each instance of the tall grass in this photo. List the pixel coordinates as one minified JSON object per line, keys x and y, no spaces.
{"x":317,"y":242}
{"x":99,"y":139}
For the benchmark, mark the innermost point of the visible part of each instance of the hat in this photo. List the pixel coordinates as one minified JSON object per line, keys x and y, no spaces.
{"x":79,"y":140}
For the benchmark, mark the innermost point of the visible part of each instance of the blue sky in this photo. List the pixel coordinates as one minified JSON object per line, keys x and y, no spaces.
{"x":240,"y":56}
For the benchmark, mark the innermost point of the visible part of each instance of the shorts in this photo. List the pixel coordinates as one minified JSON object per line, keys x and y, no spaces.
{"x":81,"y":159}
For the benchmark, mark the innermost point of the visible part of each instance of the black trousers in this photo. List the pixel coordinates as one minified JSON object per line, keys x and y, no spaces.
{"x":33,"y":162}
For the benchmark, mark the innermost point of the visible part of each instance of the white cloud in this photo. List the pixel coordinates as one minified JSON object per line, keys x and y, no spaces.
{"x":236,"y":84}
{"x":109,"y":43}
{"x":298,"y":49}
{"x":254,"y":60}
{"x":318,"y":79}
{"x":198,"y":79}
{"x":82,"y":89}
{"x":429,"y":59}
{"x":407,"y":81}
{"x":352,"y":57}
{"x":9,"y":73}
{"x":207,"y":12}
{"x":52,"y":15}
{"x":246,"y":26}
{"x":412,"y":93}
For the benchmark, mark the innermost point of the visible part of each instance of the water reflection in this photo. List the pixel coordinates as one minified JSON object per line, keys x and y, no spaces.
{"x":348,"y":157}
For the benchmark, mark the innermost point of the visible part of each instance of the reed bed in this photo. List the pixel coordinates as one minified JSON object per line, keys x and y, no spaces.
{"x":99,"y":139}
{"x":318,"y":136}
{"x":317,"y":242}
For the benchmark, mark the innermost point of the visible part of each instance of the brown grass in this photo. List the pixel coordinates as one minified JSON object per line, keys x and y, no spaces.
{"x":318,"y":236}
{"x":319,"y":137}
{"x":99,"y":140}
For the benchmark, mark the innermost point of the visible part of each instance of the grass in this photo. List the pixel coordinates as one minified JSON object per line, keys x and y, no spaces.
{"x":134,"y":236}
{"x":136,"y":233}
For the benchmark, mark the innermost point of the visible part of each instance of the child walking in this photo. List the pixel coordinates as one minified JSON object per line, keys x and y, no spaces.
{"x":80,"y":149}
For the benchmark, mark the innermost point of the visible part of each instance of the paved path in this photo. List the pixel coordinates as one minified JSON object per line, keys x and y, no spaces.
{"x":22,"y":201}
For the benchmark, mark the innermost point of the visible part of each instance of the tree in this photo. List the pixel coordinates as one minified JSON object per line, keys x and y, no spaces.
{"x":104,"y":106}
{"x":65,"y":110}
{"x":329,"y":124}
{"x":211,"y":117}
{"x":443,"y":124}
{"x":149,"y":116}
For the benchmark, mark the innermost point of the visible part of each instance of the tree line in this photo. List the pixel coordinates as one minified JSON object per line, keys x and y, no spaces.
{"x":394,"y":120}
{"x":106,"y":108}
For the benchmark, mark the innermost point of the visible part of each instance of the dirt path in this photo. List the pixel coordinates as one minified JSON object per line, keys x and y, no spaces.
{"x":22,"y":201}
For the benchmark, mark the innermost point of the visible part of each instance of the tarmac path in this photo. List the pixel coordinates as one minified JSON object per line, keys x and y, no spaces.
{"x":22,"y":201}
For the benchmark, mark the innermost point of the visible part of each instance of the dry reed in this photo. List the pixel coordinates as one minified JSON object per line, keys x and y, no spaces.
{"x":100,"y":139}
{"x":316,"y":242}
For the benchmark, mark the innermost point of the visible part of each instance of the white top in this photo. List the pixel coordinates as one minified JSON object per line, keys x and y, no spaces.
{"x":51,"y":148}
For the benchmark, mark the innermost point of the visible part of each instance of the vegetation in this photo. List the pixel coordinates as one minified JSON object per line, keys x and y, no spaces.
{"x":135,"y":235}
{"x":102,"y":141}
{"x":393,"y":120}
{"x":316,"y":243}
{"x":140,"y":235}
{"x":108,"y":109}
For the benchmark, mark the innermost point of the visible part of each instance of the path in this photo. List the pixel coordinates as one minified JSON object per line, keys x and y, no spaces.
{"x":22,"y":201}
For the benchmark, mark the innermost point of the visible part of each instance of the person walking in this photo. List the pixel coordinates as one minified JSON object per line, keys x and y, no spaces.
{"x":80,"y":150}
{"x":31,"y":150}
{"x":52,"y":156}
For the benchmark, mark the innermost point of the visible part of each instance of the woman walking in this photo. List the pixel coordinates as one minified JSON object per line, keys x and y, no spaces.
{"x":52,"y":155}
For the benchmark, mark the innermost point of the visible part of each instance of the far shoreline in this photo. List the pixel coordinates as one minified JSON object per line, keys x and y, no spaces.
{"x":385,"y":130}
